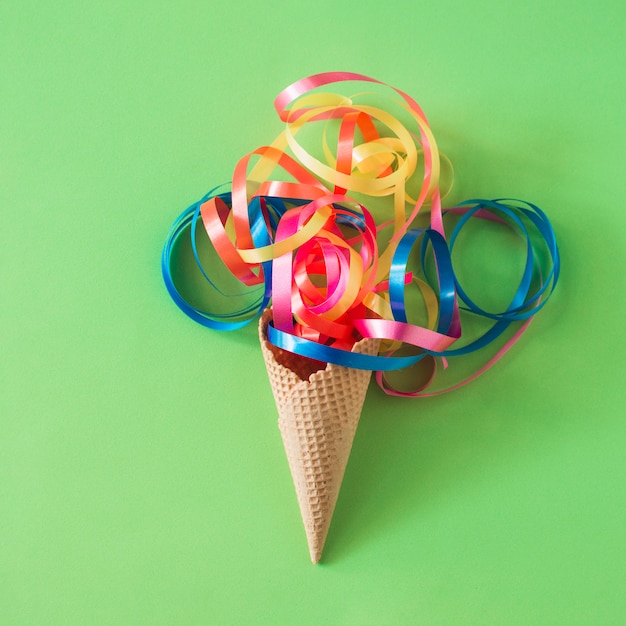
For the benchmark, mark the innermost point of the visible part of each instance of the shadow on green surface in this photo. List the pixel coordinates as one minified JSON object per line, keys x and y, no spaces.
{"x":414,"y":460}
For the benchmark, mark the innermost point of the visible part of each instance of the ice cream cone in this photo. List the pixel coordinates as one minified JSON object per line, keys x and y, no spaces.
{"x":319,"y":406}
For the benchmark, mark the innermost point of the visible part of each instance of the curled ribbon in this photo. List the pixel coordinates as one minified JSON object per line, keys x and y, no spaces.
{"x":334,"y":273}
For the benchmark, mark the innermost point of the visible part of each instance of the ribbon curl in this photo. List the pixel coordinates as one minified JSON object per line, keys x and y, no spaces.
{"x":333,"y":273}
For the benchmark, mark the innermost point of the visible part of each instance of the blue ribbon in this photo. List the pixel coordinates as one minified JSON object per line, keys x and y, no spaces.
{"x":264,"y":215}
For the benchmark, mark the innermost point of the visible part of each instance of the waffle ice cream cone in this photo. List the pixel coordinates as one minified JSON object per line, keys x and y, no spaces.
{"x":319,"y":406}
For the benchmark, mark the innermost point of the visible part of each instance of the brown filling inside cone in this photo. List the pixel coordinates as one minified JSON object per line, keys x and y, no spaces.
{"x":301,"y":366}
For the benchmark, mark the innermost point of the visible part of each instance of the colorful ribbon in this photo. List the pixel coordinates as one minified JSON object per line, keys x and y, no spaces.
{"x":324,"y":230}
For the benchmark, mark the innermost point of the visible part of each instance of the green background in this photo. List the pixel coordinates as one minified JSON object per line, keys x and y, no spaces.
{"x":142,"y":475}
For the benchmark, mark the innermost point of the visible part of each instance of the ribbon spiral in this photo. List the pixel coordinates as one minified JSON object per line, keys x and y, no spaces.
{"x":325,"y":232}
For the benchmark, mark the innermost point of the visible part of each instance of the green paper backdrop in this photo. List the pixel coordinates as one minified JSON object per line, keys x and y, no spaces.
{"x":142,"y":475}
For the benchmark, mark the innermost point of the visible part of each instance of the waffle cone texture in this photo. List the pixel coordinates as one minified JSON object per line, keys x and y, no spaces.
{"x":319,"y":406}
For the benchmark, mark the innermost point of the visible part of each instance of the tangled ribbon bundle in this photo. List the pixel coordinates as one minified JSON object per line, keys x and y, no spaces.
{"x":298,"y":229}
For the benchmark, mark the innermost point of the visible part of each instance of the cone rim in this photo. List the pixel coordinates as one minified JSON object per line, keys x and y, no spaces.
{"x":319,"y":374}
